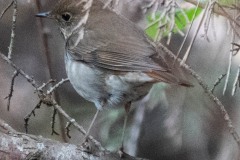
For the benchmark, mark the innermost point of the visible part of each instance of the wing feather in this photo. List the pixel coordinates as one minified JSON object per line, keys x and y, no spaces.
{"x":114,"y":43}
{"x":121,"y":54}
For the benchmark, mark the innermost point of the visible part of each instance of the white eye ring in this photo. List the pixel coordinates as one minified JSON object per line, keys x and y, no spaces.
{"x":66,"y":16}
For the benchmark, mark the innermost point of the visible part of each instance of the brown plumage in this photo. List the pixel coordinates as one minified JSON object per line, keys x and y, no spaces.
{"x":109,"y":60}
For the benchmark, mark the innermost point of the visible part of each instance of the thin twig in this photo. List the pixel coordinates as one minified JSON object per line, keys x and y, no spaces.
{"x":171,"y":19}
{"x":183,"y":13}
{"x":195,"y":34}
{"x":114,"y":2}
{"x":14,"y":20}
{"x":218,"y":81}
{"x":208,"y":19}
{"x":152,"y":4}
{"x":214,"y":28}
{"x":47,"y":101}
{"x":53,"y":122}
{"x":205,"y":87}
{"x":154,"y":10}
{"x":76,"y":125}
{"x":236,"y":82}
{"x":68,"y":130}
{"x":9,"y":97}
{"x":166,"y":21}
{"x":230,"y":18}
{"x":27,"y":117}
{"x":190,"y":27}
{"x":233,"y":27}
{"x":6,"y":9}
{"x":215,"y":9}
{"x":230,"y":54}
{"x":153,"y":23}
{"x":6,"y":127}
{"x":227,"y":15}
{"x":45,"y":84}
{"x":228,"y":72}
{"x":26,"y":76}
{"x":51,"y":90}
{"x":237,"y":49}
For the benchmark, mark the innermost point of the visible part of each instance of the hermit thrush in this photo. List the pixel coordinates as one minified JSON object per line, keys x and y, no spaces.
{"x":109,"y":60}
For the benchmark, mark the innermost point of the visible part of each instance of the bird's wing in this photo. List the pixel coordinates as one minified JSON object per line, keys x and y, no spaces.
{"x":114,"y":43}
{"x":116,"y":52}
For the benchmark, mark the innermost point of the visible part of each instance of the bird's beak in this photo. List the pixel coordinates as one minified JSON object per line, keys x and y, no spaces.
{"x":44,"y":15}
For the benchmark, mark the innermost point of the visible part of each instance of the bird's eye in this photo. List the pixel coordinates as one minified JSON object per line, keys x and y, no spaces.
{"x":66,"y":16}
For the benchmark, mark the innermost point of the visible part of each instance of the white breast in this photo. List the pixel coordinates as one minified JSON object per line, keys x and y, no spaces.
{"x":86,"y":81}
{"x":100,"y":87}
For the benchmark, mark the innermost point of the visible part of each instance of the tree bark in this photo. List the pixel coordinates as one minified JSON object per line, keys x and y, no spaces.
{"x":19,"y":146}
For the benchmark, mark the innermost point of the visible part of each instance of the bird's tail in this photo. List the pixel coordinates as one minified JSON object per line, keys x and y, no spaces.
{"x":168,"y":77}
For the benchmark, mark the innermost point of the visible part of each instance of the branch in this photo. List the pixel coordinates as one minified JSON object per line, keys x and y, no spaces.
{"x":9,"y":97}
{"x":215,"y":8}
{"x":6,"y":127}
{"x":113,"y":5}
{"x":217,"y":82}
{"x":188,"y":31}
{"x":23,"y":146}
{"x":53,"y":122}
{"x":26,"y":76}
{"x":166,"y":21}
{"x":27,"y":117}
{"x":206,"y":10}
{"x":79,"y":128}
{"x":236,"y":82}
{"x":51,"y":90}
{"x":209,"y":93}
{"x":49,"y":100}
{"x":16,"y":145}
{"x":44,"y":85}
{"x":14,"y":19}
{"x":5,"y":10}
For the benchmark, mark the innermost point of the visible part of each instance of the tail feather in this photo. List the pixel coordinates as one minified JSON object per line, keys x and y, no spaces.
{"x":168,"y":77}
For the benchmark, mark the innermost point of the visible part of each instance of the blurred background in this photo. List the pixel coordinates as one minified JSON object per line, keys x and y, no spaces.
{"x":170,"y":123}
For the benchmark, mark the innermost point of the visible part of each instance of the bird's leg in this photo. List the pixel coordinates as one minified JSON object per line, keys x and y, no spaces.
{"x":127,"y":109}
{"x":90,"y":127}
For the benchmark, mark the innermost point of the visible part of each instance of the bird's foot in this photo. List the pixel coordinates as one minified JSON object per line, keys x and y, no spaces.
{"x":121,"y":152}
{"x":85,"y":146}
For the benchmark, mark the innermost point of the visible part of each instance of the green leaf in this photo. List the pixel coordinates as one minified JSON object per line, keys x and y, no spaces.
{"x":152,"y":31}
{"x":180,"y":21}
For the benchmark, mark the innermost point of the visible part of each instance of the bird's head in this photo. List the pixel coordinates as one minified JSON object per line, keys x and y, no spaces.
{"x":71,"y":15}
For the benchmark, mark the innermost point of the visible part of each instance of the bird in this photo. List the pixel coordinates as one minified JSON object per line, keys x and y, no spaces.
{"x":109,"y":60}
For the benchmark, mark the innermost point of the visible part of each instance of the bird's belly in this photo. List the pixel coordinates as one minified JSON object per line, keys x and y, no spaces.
{"x":104,"y":89}
{"x":85,"y":80}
